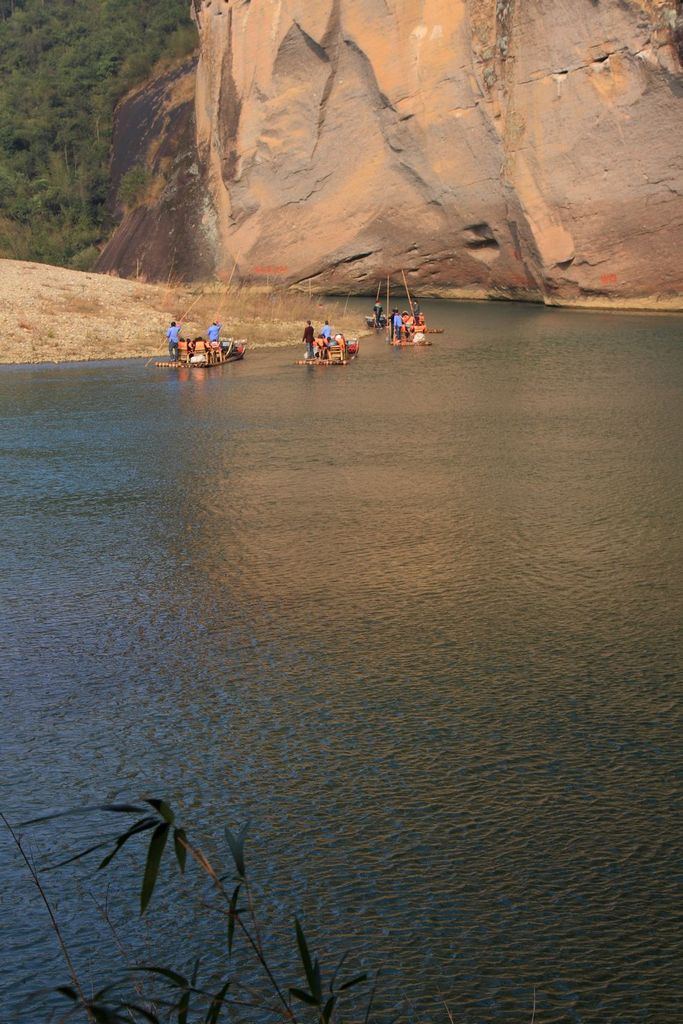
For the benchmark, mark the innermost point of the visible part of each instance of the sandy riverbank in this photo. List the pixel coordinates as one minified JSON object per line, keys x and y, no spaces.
{"x":50,"y":314}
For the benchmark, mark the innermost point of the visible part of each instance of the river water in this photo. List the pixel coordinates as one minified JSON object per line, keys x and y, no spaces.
{"x":418,"y":619}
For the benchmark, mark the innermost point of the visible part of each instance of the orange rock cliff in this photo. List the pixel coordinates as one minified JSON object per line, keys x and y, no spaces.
{"x":502,"y":148}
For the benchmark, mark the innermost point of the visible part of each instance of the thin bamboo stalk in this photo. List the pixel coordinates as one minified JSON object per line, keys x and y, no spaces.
{"x":410,"y":301}
{"x":189,"y":308}
{"x":224,"y":294}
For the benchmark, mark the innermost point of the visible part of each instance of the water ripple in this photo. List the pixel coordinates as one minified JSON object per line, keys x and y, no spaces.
{"x":419,"y":620}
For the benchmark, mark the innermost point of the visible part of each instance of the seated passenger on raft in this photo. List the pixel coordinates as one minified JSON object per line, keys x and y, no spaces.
{"x":340,"y":342}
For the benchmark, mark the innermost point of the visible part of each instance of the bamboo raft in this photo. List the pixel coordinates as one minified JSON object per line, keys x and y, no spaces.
{"x":418,"y":325}
{"x":418,"y":329}
{"x":335,"y":357}
{"x":411,"y":344}
{"x":205,"y":357}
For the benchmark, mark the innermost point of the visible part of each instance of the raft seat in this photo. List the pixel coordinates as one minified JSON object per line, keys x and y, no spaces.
{"x":336,"y":354}
{"x":198,"y":351}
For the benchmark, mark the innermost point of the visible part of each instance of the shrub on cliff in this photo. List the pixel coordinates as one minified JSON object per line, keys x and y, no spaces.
{"x":133,"y":186}
{"x":63,"y":66}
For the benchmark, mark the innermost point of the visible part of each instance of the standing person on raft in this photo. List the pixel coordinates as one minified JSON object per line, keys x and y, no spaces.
{"x":213,"y":333}
{"x":173,"y":335}
{"x":397,"y":324}
{"x":308,"y":338}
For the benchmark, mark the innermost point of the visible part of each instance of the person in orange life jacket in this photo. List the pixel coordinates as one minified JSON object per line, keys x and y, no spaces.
{"x":308,"y":339}
{"x":323,"y":340}
{"x":408,"y":323}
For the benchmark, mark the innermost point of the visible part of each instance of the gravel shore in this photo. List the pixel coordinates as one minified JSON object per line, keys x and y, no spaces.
{"x":50,"y":314}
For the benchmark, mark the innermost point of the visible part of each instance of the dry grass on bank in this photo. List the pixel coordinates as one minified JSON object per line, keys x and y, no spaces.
{"x":50,"y":314}
{"x":265,"y":317}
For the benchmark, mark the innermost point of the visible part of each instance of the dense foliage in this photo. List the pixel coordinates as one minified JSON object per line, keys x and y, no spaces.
{"x":63,"y":66}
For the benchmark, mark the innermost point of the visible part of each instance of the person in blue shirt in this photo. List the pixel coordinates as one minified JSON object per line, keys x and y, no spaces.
{"x":397,"y":323}
{"x":326,"y":331}
{"x":214,"y":331}
{"x":173,"y":335}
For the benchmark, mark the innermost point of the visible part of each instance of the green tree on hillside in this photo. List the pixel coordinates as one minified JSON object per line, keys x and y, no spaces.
{"x":63,"y":66}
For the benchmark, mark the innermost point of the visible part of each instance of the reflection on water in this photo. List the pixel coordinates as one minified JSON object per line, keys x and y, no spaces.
{"x":417,"y":618}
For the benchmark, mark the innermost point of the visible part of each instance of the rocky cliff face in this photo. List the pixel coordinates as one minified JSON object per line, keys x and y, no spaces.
{"x":507,"y":148}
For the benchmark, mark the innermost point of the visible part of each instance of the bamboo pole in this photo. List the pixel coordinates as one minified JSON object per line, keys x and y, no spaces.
{"x":167,"y":293}
{"x":190,"y":307}
{"x":346,"y":304}
{"x":234,"y":268}
{"x":224,"y":294}
{"x":410,"y":301}
{"x":379,"y":286}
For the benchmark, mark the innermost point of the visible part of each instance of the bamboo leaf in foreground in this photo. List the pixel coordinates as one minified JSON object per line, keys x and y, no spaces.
{"x":72,"y":811}
{"x":68,"y":992}
{"x":184,"y":1007}
{"x":337,"y":969}
{"x":154,"y":855}
{"x":214,"y":1011}
{"x":353,"y":981}
{"x":162,"y":808}
{"x":143,"y":825}
{"x":236,"y":844}
{"x":317,"y":987}
{"x":303,"y":996}
{"x":103,"y":1008}
{"x":164,"y":972}
{"x":232,"y":918}
{"x":305,"y":955}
